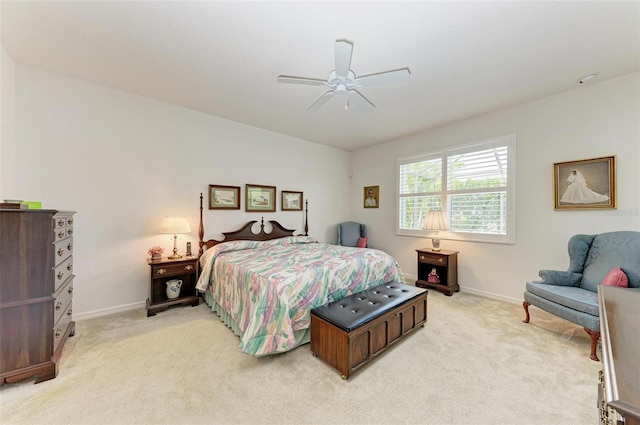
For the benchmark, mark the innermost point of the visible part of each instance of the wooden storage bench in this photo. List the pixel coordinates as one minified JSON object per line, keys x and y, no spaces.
{"x":350,"y":333}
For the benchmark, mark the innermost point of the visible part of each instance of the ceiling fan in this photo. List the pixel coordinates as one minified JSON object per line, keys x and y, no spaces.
{"x":342,"y":80}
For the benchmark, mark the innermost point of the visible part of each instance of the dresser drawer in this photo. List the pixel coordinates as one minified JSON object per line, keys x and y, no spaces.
{"x":171,"y":270}
{"x":62,"y":272}
{"x":432,"y":259}
{"x":61,"y":326}
{"x":63,"y":249}
{"x":62,"y":299}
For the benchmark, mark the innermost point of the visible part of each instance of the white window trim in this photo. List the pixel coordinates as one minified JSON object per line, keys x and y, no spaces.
{"x":510,"y":237}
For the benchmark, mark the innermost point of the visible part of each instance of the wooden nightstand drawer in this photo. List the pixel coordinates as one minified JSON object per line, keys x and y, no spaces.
{"x":172,"y":270}
{"x":432,"y":259}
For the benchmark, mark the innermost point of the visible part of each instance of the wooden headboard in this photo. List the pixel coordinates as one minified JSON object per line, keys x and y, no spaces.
{"x":246,"y":234}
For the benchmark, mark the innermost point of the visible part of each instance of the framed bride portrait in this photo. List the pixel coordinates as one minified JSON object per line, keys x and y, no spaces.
{"x":585,"y":184}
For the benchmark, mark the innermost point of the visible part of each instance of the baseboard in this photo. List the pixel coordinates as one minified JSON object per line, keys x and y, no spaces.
{"x":108,"y":311}
{"x":410,"y":279}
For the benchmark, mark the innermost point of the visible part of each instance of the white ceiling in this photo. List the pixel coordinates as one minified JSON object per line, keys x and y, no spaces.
{"x":222,"y":58}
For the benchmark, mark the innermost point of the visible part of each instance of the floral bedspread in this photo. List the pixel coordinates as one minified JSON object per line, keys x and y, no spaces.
{"x":270,"y":287}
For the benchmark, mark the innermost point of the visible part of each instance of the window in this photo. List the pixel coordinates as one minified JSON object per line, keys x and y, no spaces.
{"x":474,"y":184}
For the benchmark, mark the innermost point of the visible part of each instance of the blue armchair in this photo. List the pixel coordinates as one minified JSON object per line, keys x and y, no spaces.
{"x":572,"y":295}
{"x":349,"y":232}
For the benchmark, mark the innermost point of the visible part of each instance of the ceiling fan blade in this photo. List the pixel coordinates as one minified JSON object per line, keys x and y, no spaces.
{"x":323,"y":99}
{"x":301,"y":80}
{"x":383,"y":77}
{"x":343,"y":49}
{"x":355,"y":97}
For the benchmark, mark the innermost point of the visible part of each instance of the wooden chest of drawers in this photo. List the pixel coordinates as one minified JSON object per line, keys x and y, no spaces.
{"x":36,"y":291}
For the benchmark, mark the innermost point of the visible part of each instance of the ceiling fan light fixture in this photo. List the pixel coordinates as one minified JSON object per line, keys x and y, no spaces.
{"x":589,"y":77}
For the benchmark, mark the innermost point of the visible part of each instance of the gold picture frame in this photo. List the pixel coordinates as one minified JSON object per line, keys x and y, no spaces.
{"x":372,"y":196}
{"x":585,"y":184}
{"x":291,"y":201}
{"x":224,"y":197}
{"x":260,"y":198}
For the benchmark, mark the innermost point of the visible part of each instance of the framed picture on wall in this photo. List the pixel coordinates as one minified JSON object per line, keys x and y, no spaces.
{"x":291,"y":201}
{"x":371,"y":196}
{"x":260,"y":198}
{"x":224,"y":197}
{"x":585,"y":184}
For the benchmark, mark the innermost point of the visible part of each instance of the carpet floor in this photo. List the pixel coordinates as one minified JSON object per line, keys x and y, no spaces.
{"x":474,"y":362}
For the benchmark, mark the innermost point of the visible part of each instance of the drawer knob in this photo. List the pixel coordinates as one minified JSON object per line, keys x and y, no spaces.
{"x":70,"y":231}
{"x":69,"y":266}
{"x":58,"y":305}
{"x":60,"y":222}
{"x":70,"y":290}
{"x":60,"y":252}
{"x":70,"y":247}
{"x":60,"y":275}
{"x":422,"y":258}
{"x":161,"y":271}
{"x":440,"y":260}
{"x":69,"y":312}
{"x":69,"y":221}
{"x":60,"y":234}
{"x":58,"y":333}
{"x":188,"y":267}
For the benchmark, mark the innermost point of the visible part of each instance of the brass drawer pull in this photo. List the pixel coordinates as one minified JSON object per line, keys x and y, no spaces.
{"x":161,"y":271}
{"x":440,"y":260}
{"x":60,"y":222}
{"x":60,"y":234}
{"x":58,"y":305}
{"x":58,"y":333}
{"x":69,"y":266}
{"x":69,"y":221}
{"x":60,"y":252}
{"x":70,"y":247}
{"x":70,"y":290}
{"x":69,"y":231}
{"x":69,"y":312}
{"x":60,"y":275}
{"x":188,"y":267}
{"x":422,"y":258}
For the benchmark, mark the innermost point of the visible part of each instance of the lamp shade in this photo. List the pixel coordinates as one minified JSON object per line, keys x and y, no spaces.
{"x":175,"y":225}
{"x":436,"y":220}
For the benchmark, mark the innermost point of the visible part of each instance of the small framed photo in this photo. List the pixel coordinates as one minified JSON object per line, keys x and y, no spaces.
{"x":260,"y":198}
{"x":585,"y":184}
{"x":224,"y":197}
{"x":371,"y":196}
{"x":291,"y":201}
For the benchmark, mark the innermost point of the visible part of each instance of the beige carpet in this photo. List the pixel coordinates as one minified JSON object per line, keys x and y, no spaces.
{"x":474,"y":362}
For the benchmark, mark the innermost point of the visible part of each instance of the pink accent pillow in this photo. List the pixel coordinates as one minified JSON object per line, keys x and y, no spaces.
{"x":616,"y":277}
{"x":362,"y":242}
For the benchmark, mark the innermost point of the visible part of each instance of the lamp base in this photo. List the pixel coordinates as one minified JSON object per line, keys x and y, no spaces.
{"x":175,"y":255}
{"x":434,"y":242}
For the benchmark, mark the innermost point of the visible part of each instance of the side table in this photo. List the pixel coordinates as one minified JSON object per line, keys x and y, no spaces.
{"x":444,"y":264}
{"x":163,"y":270}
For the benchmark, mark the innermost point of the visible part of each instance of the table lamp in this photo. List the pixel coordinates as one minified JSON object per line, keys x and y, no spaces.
{"x":436,"y":220}
{"x":175,"y":226}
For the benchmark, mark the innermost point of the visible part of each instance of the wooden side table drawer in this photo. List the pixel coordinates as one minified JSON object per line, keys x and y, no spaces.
{"x":172,"y":270}
{"x":433,"y":259}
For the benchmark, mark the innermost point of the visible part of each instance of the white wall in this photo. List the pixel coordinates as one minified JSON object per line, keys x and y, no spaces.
{"x":591,"y":121}
{"x":123,"y":162}
{"x":7,"y":126}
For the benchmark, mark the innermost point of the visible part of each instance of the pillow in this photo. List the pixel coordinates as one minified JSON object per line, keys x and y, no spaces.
{"x":362,"y":242}
{"x":616,"y":277}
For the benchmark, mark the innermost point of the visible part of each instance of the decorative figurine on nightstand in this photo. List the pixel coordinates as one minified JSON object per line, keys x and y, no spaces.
{"x":433,"y":276}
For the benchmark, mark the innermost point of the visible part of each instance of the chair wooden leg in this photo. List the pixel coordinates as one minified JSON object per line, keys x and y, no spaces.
{"x":595,"y":337}
{"x":526,"y":305}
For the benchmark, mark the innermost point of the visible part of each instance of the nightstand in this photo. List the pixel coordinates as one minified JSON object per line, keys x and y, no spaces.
{"x":445,"y":266}
{"x":164,"y":270}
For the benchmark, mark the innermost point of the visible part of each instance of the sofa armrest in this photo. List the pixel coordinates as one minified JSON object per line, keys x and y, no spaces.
{"x":560,"y":278}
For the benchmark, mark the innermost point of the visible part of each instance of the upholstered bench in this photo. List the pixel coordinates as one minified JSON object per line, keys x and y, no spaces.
{"x":350,"y":333}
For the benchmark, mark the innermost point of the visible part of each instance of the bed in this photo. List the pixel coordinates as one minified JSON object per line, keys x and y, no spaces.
{"x":263,"y":285}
